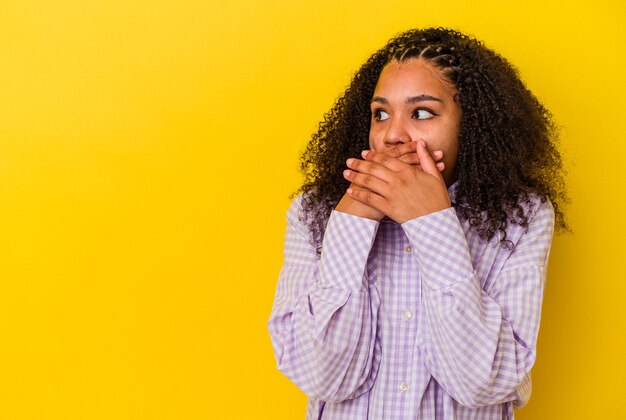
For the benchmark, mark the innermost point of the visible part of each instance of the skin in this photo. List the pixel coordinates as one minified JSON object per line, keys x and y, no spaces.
{"x":414,"y":110}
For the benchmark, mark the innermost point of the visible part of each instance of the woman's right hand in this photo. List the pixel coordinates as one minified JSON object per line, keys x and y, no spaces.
{"x":405,"y":152}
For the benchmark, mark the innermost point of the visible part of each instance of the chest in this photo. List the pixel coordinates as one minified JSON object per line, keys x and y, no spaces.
{"x":393,"y":263}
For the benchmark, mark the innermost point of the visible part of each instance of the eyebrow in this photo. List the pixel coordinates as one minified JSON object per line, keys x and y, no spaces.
{"x":411,"y":100}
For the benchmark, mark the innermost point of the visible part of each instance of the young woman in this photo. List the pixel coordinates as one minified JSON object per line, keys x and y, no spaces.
{"x":416,"y":251}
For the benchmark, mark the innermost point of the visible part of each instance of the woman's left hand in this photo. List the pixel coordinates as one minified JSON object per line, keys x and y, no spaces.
{"x":397,"y":189}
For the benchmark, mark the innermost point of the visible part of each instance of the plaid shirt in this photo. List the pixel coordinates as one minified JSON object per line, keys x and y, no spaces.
{"x":419,"y":320}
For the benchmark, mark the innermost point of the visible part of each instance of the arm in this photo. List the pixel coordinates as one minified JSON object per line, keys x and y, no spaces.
{"x":323,"y":321}
{"x":480,"y":347}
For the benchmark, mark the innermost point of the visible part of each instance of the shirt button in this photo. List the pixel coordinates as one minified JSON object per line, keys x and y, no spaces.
{"x":404,"y":386}
{"x":407,"y":315}
{"x":408,"y":249}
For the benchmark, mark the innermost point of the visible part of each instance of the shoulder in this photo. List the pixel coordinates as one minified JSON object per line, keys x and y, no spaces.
{"x":298,"y":212}
{"x":532,"y":242}
{"x":298,"y":218}
{"x":538,"y":209}
{"x":295,"y":209}
{"x":536,"y":226}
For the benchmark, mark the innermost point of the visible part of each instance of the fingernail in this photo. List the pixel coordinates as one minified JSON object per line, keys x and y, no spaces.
{"x":350,"y":191}
{"x":423,"y":143}
{"x":364,"y":153}
{"x":349,"y":161}
{"x":346,"y":173}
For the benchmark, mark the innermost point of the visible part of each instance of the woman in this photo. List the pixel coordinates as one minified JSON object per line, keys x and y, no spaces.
{"x":416,"y":251}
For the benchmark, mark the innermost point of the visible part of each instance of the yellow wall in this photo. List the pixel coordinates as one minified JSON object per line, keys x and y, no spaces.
{"x":147,"y":150}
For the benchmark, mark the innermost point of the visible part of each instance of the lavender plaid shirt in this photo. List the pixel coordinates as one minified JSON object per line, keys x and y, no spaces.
{"x":419,"y":320}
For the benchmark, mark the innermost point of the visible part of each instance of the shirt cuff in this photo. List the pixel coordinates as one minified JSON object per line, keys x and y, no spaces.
{"x":346,"y":246}
{"x":441,"y":248}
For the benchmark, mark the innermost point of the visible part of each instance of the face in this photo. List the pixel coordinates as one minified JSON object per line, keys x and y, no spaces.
{"x":413,"y":101}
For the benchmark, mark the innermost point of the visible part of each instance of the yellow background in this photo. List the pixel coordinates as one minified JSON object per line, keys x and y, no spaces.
{"x":147,"y":150}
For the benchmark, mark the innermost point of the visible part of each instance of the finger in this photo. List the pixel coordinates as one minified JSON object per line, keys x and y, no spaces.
{"x":410,"y":147}
{"x":415,"y":162}
{"x":388,"y":161}
{"x":368,"y":197}
{"x":367,"y":181}
{"x":370,"y":168}
{"x":426,"y":161}
{"x":413,"y":159}
{"x":410,"y":158}
{"x":401,"y":149}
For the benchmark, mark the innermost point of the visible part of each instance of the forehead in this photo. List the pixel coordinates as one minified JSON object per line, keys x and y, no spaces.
{"x":413,"y":77}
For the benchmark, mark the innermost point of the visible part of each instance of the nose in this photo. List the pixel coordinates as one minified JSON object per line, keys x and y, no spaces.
{"x":397,"y":133}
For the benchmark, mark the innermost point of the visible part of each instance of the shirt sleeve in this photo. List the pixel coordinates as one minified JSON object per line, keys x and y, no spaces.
{"x":480,"y":347}
{"x":323,"y":320}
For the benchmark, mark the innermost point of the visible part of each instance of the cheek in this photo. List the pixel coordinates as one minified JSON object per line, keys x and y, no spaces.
{"x":446,"y":140}
{"x":450,"y":158}
{"x":375,"y":141}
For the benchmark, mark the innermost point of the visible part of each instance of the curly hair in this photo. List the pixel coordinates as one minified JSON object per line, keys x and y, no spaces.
{"x":507,"y":141}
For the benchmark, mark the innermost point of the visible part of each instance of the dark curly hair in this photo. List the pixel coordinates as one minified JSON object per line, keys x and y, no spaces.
{"x":507,"y":142}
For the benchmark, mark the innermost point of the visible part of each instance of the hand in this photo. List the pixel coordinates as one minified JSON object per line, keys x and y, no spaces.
{"x":400,"y":190}
{"x":406,"y":153}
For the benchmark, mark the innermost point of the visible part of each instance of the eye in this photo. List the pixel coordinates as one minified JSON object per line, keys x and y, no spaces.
{"x":423,"y":114}
{"x":380,"y":115}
